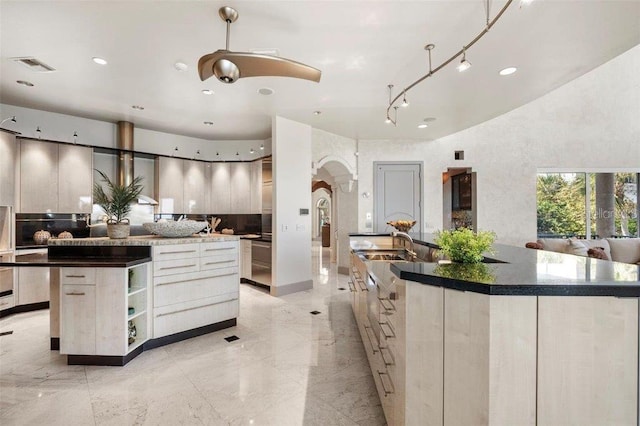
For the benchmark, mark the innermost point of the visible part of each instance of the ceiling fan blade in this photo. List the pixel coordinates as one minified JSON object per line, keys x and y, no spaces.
{"x":205,"y":64}
{"x":258,"y":65}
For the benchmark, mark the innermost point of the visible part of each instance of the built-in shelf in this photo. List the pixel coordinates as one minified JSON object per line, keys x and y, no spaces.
{"x":135,"y":315}
{"x":135,"y":290}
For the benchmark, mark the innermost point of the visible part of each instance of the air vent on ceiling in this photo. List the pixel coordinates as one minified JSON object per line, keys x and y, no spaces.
{"x":34,"y":64}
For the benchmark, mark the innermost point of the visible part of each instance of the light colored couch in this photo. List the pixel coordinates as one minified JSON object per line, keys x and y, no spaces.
{"x":626,"y":250}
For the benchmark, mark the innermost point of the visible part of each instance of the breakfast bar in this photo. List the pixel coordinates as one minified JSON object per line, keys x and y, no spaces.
{"x":528,"y":337}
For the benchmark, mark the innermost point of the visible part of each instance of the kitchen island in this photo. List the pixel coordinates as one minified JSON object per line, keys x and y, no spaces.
{"x":532,"y":337}
{"x":113,"y":299}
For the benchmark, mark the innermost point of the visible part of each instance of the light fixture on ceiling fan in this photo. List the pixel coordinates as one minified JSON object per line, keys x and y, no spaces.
{"x":229,"y":66}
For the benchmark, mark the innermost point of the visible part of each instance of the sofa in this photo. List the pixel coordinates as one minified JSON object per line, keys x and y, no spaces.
{"x":626,"y":250}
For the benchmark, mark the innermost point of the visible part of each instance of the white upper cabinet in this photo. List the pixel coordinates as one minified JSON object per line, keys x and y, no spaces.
{"x":8,"y":156}
{"x":74,"y":179}
{"x":38,"y":177}
{"x":220,"y":188}
{"x":240,"y":187}
{"x":170,"y":183}
{"x":196,"y":193}
{"x":256,"y":187}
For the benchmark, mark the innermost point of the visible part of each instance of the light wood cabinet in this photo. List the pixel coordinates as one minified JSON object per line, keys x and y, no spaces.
{"x":245,"y":259}
{"x":220,"y":188}
{"x":55,"y":178}
{"x":99,"y":305}
{"x":32,"y":285}
{"x":240,"y":187}
{"x":256,"y":187}
{"x":8,"y":157}
{"x":196,"y":193}
{"x":38,"y":177}
{"x":170,"y":185}
{"x":75,"y":173}
{"x":78,"y":319}
{"x":195,"y":285}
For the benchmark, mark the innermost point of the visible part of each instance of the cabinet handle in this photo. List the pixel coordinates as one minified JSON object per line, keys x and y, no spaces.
{"x":386,"y":304}
{"x":191,"y":309}
{"x":4,"y":303}
{"x":176,"y":267}
{"x":224,"y":275}
{"x":383,"y":374}
{"x":220,"y":248}
{"x":219,"y":261}
{"x":362,"y":285}
{"x":388,"y":334}
{"x":366,"y":329}
{"x":352,"y":287}
{"x":74,"y":276}
{"x":177,"y":252}
{"x":387,"y":357}
{"x":75,"y":294}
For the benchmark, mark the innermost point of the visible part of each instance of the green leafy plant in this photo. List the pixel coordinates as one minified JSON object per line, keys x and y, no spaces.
{"x":117,"y":203}
{"x":474,"y":272}
{"x":463,"y":245}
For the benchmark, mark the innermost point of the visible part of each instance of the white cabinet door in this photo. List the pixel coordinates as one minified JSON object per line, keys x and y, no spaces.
{"x":256,"y":187}
{"x":75,"y":173}
{"x":8,"y":156}
{"x":38,"y":177}
{"x":170,"y":185}
{"x":196,"y":194}
{"x":33,"y":285}
{"x":78,"y":319}
{"x":245,"y":259}
{"x":220,"y":188}
{"x":240,"y":188}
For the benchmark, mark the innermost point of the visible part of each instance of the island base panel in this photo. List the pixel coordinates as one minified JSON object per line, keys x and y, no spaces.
{"x":119,"y":361}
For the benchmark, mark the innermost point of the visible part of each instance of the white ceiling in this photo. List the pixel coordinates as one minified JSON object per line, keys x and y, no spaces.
{"x":360,"y":46}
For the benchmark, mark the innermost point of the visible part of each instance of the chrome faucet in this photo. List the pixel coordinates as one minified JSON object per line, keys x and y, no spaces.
{"x":407,"y":237}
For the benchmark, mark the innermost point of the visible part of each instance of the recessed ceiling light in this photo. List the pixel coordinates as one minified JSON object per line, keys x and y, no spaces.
{"x":423,"y":126}
{"x":207,"y":92}
{"x":262,"y":147}
{"x":209,"y":123}
{"x":508,"y":71}
{"x":180,"y":66}
{"x":266,"y":91}
{"x":99,"y":61}
{"x":138,"y":107}
{"x":25,"y":83}
{"x":317,"y":112}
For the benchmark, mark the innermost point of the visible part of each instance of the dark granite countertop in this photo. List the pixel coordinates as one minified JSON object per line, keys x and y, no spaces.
{"x":524,"y":272}
{"x":44,"y":260}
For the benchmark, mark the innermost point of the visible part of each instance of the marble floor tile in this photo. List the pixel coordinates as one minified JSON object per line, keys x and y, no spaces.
{"x":287,"y":368}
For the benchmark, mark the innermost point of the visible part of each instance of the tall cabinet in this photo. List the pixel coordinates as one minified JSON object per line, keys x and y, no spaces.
{"x":54,"y":178}
{"x":8,"y":155}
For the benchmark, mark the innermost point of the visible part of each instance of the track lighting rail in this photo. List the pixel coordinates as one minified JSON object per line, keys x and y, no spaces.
{"x":429,"y":47}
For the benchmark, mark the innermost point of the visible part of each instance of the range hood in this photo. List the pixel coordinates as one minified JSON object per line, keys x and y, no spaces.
{"x":125,"y":174}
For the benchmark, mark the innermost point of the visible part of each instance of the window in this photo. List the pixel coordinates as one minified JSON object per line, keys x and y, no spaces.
{"x":611,"y":200}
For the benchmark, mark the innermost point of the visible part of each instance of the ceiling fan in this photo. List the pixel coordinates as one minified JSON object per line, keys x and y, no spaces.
{"x":229,"y":66}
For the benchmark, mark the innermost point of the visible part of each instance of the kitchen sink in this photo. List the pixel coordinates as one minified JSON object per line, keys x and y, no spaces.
{"x":386,"y":255}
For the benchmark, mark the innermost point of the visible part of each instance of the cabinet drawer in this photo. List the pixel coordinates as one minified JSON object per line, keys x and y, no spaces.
{"x":78,"y":276}
{"x":7,"y":302}
{"x":171,"y":290}
{"x":177,"y":266}
{"x":218,"y":248}
{"x":177,"y":251}
{"x":218,"y":261}
{"x":173,"y":319}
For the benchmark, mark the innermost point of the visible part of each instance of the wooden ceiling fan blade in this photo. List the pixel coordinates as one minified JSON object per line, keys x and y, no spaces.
{"x":258,"y":65}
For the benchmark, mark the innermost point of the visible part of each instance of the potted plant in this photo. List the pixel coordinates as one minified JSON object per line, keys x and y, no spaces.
{"x":463,"y":245}
{"x":117,"y":203}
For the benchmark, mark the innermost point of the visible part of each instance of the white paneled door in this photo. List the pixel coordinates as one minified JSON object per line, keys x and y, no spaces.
{"x":398,"y":193}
